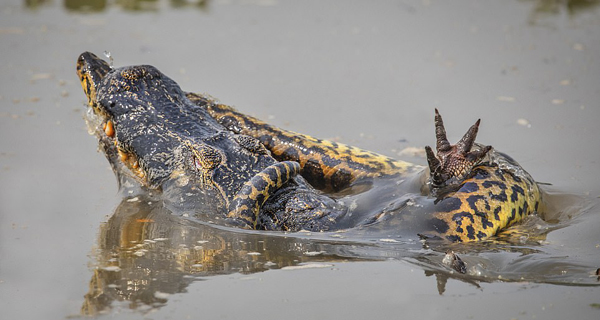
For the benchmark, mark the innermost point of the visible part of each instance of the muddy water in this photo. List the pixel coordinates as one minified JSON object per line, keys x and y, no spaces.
{"x":358,"y":72}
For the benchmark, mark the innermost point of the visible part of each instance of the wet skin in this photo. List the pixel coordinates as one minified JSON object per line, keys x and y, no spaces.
{"x":474,"y":191}
{"x":247,"y":172}
{"x":165,"y":141}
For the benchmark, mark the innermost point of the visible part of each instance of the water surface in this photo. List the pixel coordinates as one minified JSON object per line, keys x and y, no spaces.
{"x":363,"y":73}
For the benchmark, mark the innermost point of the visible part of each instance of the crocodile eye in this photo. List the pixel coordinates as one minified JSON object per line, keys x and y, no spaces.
{"x":206,"y":158}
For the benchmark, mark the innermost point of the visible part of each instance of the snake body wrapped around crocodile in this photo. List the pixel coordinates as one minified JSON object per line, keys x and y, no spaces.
{"x":253,"y":175}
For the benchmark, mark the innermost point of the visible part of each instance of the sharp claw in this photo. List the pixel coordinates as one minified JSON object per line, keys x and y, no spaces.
{"x":440,"y":133}
{"x":466,"y":142}
{"x":453,"y":161}
{"x":432,"y":160}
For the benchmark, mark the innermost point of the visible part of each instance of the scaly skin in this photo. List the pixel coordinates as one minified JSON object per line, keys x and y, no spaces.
{"x":489,"y":201}
{"x":246,"y":171}
{"x":489,"y":196}
{"x":327,"y":165}
{"x":156,"y":135}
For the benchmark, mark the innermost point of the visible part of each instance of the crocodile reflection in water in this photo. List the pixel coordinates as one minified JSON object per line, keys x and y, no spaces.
{"x":145,"y":253}
{"x":144,"y":250}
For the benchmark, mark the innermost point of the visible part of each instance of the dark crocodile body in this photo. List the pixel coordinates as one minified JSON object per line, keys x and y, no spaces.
{"x":163,"y":138}
{"x":247,"y":172}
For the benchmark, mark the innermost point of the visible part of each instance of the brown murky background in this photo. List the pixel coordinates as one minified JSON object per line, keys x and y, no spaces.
{"x":362,"y":72}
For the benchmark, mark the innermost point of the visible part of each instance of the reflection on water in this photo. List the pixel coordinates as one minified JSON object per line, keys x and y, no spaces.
{"x":540,"y":9}
{"x":557,"y":6}
{"x":85,"y":5}
{"x":128,"y":5}
{"x":543,"y":9}
{"x":34,"y":4}
{"x":145,"y":253}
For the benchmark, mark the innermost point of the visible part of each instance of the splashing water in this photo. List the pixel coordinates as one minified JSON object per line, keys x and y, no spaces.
{"x":108,"y":55}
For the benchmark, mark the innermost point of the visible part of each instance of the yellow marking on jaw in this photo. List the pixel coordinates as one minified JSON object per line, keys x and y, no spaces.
{"x":88,"y":87}
{"x":129,"y":159}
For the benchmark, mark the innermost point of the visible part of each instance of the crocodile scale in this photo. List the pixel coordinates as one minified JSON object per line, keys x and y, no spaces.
{"x":254,"y":175}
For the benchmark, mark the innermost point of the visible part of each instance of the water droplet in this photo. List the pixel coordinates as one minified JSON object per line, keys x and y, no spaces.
{"x":108,"y":55}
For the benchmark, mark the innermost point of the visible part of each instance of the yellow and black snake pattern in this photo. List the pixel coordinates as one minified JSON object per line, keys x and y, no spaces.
{"x":327,"y":165}
{"x":245,"y":171}
{"x":495,"y":195}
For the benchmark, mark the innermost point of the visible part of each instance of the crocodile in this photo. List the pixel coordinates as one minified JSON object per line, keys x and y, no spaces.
{"x":149,"y":130}
{"x":257,"y":176}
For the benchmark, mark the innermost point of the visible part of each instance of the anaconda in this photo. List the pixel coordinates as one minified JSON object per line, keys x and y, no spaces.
{"x":246,"y":172}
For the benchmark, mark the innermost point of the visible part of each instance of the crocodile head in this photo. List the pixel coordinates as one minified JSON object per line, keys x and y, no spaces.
{"x":150,"y":131}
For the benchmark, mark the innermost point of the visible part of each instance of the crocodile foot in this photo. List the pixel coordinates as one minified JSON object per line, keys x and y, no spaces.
{"x":453,"y":162}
